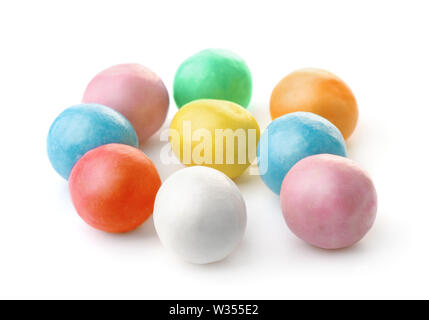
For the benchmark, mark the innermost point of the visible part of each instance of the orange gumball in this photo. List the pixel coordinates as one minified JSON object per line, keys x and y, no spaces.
{"x":113,"y":187}
{"x":317,"y":91}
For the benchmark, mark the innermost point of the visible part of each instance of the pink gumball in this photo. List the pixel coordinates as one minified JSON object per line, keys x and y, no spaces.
{"x":328,"y":201}
{"x":136,"y":92}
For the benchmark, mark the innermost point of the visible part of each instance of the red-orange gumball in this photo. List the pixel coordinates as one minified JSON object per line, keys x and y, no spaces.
{"x":113,"y":187}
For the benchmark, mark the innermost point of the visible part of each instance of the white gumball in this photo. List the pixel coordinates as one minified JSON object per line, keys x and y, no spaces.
{"x":200,"y":214}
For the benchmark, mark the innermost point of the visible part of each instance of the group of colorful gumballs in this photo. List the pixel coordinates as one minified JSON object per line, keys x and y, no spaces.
{"x":199,"y":212}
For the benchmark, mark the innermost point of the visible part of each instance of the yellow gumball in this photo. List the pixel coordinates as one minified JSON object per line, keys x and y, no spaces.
{"x":215,"y":133}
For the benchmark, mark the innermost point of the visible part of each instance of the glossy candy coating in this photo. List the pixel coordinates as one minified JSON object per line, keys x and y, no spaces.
{"x":328,"y":201}
{"x":213,"y":74}
{"x":113,"y":187}
{"x":81,"y":128}
{"x":291,"y":138}
{"x":200,"y":215}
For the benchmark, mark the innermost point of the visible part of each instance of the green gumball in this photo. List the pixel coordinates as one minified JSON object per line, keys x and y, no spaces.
{"x":213,"y":74}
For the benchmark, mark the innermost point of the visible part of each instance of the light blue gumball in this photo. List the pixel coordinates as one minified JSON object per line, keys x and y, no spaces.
{"x":291,"y":138}
{"x":84,"y":127}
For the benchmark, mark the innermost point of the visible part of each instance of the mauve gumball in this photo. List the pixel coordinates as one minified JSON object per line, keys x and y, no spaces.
{"x":136,"y":92}
{"x":328,"y":201}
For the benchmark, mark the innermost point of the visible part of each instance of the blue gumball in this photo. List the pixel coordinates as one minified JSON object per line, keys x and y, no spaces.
{"x":84,"y":127}
{"x":291,"y":138}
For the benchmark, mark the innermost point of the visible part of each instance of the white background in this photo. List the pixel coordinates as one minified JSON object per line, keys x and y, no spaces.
{"x":51,"y":49}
